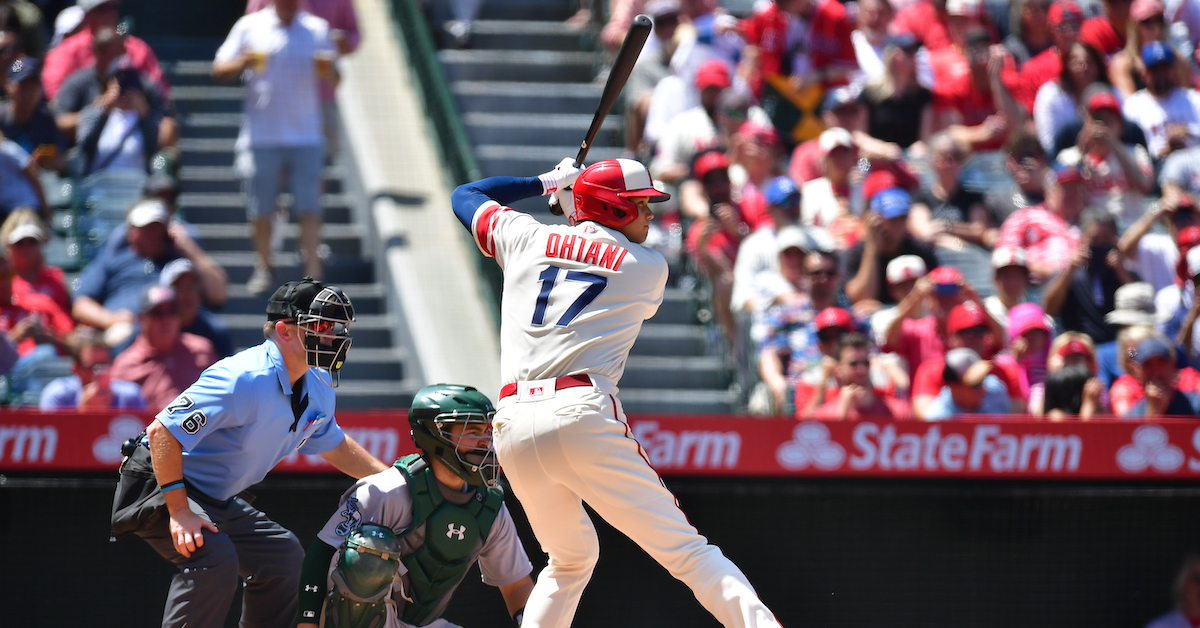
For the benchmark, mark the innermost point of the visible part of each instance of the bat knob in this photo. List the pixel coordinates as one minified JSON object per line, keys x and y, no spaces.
{"x":555,"y":207}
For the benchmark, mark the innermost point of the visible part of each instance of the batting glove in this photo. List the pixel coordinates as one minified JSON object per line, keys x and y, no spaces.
{"x":562,"y":177}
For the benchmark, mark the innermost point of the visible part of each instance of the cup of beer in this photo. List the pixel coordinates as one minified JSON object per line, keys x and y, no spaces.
{"x":258,"y":61}
{"x":324,"y":61}
{"x":49,"y":151}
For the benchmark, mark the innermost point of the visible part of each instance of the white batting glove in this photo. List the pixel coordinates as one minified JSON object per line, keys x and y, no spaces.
{"x":562,"y":177}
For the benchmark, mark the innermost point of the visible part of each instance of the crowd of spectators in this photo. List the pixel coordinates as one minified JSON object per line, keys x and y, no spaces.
{"x":84,"y":100}
{"x":934,"y":208}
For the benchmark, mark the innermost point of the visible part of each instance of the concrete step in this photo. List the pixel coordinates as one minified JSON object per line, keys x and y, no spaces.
{"x":493,"y":96}
{"x":367,"y":363}
{"x":553,"y":12}
{"x":342,"y":239}
{"x":671,"y":340}
{"x":678,"y":308}
{"x":228,"y":207}
{"x":368,"y":298}
{"x":175,"y":48}
{"x":222,"y":179}
{"x":510,"y":34}
{"x":340,"y":270}
{"x":371,"y":394}
{"x":368,"y":330}
{"x":671,"y":372}
{"x":518,"y":65}
{"x":211,"y":125}
{"x":209,"y":98}
{"x":546,"y":129}
{"x":500,"y":160}
{"x":188,"y":72}
{"x":676,"y":401}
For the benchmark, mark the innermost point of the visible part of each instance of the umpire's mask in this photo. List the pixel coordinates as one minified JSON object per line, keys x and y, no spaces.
{"x":327,"y":339}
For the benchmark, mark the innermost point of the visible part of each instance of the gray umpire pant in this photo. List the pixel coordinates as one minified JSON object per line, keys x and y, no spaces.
{"x":250,"y":545}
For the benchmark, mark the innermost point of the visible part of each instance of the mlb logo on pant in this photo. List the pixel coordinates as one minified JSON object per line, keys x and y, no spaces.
{"x":537,"y":391}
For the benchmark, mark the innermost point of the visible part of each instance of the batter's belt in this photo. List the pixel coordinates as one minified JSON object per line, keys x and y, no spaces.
{"x":568,"y":381}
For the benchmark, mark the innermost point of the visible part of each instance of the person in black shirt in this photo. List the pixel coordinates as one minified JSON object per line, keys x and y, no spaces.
{"x":946,"y":213}
{"x":899,"y":109}
{"x":25,"y":119}
{"x":885,"y":237}
{"x":1083,"y":294}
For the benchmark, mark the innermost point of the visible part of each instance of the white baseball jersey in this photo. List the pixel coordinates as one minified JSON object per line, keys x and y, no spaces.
{"x":1155,"y":115}
{"x":574,"y":297}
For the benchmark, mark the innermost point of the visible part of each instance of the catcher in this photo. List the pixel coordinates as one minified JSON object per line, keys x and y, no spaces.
{"x":402,"y":540}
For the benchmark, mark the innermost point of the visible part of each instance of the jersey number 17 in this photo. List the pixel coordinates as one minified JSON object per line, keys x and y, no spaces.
{"x":549,"y":277}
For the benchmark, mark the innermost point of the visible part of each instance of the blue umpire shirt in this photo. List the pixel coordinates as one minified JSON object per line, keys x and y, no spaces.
{"x":235,"y":422}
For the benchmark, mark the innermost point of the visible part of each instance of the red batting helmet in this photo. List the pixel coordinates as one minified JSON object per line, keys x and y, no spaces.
{"x":603,"y":190}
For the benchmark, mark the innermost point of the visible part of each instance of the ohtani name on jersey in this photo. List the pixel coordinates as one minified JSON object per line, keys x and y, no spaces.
{"x":580,"y":249}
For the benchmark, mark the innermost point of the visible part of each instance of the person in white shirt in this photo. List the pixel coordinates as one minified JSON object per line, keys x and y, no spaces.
{"x":1169,"y":115}
{"x":282,"y":52}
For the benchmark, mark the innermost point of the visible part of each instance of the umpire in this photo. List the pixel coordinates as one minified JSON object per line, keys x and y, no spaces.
{"x":182,"y":483}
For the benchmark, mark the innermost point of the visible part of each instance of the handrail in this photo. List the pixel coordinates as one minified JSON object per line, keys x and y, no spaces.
{"x":442,"y":114}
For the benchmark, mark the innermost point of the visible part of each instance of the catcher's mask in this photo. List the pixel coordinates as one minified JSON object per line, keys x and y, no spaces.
{"x":434,"y":409}
{"x":324,"y":313}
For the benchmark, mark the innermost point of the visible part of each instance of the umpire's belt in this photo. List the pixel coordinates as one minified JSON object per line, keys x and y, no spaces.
{"x":534,"y":388}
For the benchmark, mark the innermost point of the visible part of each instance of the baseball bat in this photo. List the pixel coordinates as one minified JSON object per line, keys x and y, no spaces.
{"x":639,"y":31}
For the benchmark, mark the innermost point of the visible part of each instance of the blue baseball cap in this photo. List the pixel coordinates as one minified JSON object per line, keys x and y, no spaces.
{"x":1157,"y":53}
{"x":782,"y":191}
{"x":904,"y":41}
{"x":1152,"y":348}
{"x":23,"y":68}
{"x":891,"y":203}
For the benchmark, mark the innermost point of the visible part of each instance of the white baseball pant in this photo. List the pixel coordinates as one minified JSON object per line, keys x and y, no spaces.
{"x":574,"y":446}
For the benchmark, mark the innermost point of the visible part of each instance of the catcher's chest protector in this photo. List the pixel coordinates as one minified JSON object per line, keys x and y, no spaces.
{"x":444,"y":540}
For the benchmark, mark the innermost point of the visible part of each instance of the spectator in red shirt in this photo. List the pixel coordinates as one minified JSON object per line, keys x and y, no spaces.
{"x":30,"y":319}
{"x":858,"y":398}
{"x":927,"y":19}
{"x":923,"y":339}
{"x":754,"y":155}
{"x":968,"y":325}
{"x":822,"y":55}
{"x":1106,"y":33}
{"x":1049,"y":232}
{"x":973,"y":85}
{"x":1064,"y":19}
{"x":713,"y":240}
{"x":163,"y":360}
{"x":75,"y":52}
{"x":1160,"y":381}
{"x":25,"y":236}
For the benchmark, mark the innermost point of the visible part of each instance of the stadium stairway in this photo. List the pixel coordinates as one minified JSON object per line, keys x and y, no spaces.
{"x":526,"y":89}
{"x":210,"y":113}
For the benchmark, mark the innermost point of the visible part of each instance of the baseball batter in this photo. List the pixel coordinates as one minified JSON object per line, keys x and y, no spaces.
{"x":574,"y":300}
{"x":402,"y":540}
{"x":181,"y":483}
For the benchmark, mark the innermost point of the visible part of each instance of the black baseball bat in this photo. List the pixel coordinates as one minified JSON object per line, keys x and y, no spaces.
{"x":639,"y":31}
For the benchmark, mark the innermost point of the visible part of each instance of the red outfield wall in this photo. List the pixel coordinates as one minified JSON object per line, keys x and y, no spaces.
{"x":1000,"y":447}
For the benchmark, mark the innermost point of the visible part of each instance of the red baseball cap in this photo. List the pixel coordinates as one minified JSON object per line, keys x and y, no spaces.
{"x":945,"y":274}
{"x":876,"y":182}
{"x":1074,"y":347}
{"x":1103,"y":100}
{"x":1062,"y":11}
{"x":708,"y":162}
{"x":834,"y":317}
{"x":713,"y":73}
{"x":965,"y":316}
{"x":759,"y":132}
{"x":1188,"y":237}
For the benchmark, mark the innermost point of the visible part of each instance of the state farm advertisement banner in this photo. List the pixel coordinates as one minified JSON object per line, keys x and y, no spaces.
{"x":1003,"y":448}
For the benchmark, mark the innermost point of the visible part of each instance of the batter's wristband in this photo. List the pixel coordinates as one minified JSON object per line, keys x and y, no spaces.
{"x":170,"y":486}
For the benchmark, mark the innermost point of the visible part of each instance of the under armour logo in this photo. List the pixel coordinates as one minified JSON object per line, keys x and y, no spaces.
{"x":311,"y":588}
{"x":377,"y":533}
{"x":310,"y":614}
{"x":460,"y":531}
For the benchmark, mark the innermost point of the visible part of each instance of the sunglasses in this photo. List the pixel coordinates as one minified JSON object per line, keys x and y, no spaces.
{"x":830,"y":335}
{"x":821,"y":273}
{"x":858,"y":363}
{"x":162,"y":312}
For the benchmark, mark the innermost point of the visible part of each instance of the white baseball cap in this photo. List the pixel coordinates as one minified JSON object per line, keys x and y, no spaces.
{"x":174,"y":270}
{"x":27,"y":230}
{"x":792,"y":236}
{"x":968,"y":8}
{"x":1193,"y":261}
{"x":905,"y":268}
{"x":148,"y":211}
{"x":834,"y":137}
{"x":1006,"y":256}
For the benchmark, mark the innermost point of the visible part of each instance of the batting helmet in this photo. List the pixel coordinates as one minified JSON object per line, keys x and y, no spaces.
{"x":603,"y":190}
{"x":437,"y":407}
{"x":325,"y":312}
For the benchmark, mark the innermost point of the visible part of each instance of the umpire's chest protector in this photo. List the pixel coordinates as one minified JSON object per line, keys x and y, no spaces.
{"x":446,"y":537}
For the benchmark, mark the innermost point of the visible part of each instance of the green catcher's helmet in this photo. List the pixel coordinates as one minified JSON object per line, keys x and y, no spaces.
{"x":434,"y":409}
